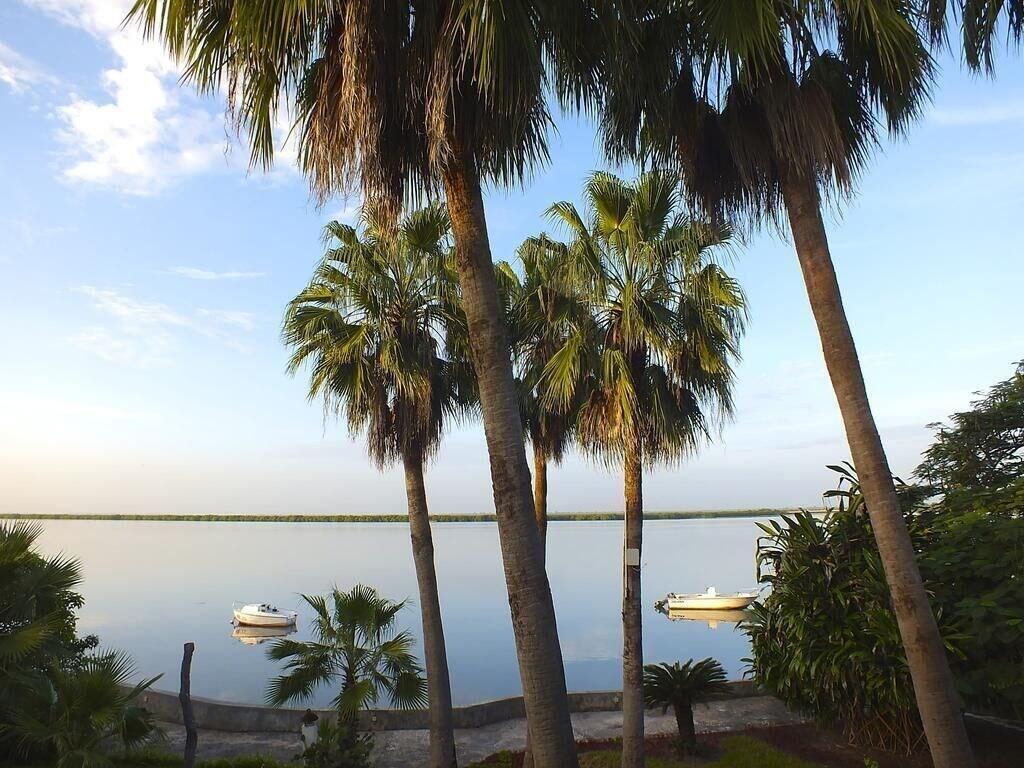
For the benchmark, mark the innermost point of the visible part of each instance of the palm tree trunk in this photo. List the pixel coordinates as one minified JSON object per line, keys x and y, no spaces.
{"x":684,"y":722}
{"x":540,"y":493}
{"x":439,"y":690}
{"x":632,"y":616}
{"x":529,"y":595}
{"x":936,"y":696}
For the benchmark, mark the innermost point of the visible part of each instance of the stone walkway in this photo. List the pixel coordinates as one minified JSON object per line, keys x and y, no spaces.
{"x":408,"y":749}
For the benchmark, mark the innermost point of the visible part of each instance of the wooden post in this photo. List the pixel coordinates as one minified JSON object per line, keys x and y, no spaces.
{"x":187,"y":716}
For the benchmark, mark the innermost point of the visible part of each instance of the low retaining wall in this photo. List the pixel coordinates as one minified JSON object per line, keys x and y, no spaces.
{"x":243,"y":718}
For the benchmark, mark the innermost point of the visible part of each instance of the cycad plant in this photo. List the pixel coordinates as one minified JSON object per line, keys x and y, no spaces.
{"x":766,"y":109}
{"x":377,"y":327}
{"x":679,"y":686}
{"x":657,"y":351}
{"x":401,"y":99}
{"x":355,"y":642}
{"x":75,"y":714}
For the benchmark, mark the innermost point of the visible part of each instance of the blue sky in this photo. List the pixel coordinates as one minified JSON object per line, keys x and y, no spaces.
{"x":145,"y":271}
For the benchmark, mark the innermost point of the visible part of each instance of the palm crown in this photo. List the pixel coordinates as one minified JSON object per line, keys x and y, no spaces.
{"x":666,"y":319}
{"x":354,"y":639}
{"x":381,"y":331}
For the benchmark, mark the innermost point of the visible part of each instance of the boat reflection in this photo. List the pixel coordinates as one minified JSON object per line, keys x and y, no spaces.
{"x":256,"y":635}
{"x":712,"y":617}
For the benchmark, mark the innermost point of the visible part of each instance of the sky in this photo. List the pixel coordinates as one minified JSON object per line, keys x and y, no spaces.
{"x":144,"y":270}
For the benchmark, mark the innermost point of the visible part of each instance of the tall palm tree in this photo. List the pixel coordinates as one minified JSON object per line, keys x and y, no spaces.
{"x":764,"y":109}
{"x":376,"y":327}
{"x":665,"y":330}
{"x":401,"y":99}
{"x":355,"y":640}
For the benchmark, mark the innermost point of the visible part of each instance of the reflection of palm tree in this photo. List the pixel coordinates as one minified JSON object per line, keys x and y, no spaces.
{"x":763,"y":115}
{"x":657,"y":351}
{"x":374,"y":326}
{"x":355,"y":642}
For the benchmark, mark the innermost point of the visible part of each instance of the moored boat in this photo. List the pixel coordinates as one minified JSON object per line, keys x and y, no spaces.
{"x":710,"y":599}
{"x":248,"y":635}
{"x":264,"y":615}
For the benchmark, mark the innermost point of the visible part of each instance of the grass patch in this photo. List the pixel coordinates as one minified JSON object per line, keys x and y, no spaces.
{"x":734,"y":752}
{"x":153,"y":759}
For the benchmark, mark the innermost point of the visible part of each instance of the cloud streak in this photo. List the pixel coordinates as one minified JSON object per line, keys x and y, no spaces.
{"x":988,"y":114}
{"x":195,"y":273}
{"x":20,"y":73}
{"x":149,"y":334}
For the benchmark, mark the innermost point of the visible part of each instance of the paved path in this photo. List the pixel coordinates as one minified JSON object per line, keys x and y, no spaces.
{"x":408,"y":749}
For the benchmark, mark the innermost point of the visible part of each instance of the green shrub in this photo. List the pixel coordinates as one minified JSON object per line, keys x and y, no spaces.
{"x":825,"y":640}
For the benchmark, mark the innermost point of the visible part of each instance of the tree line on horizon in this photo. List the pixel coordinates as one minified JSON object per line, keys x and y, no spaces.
{"x":759,"y":109}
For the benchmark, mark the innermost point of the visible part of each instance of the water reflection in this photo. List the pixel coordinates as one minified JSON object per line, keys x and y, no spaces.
{"x":255,"y":635}
{"x":712,"y":617}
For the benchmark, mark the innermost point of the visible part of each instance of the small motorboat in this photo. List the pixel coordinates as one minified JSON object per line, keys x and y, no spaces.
{"x":264,"y":615}
{"x":710,"y":599}
{"x":256,"y":635}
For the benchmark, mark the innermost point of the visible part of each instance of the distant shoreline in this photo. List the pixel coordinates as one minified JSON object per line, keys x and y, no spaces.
{"x":556,"y":518}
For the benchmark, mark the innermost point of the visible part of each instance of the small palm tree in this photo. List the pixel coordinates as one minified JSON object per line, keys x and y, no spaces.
{"x":355,"y":641}
{"x":680,"y":685}
{"x":75,"y":713}
{"x":382,"y":333}
{"x":656,"y":349}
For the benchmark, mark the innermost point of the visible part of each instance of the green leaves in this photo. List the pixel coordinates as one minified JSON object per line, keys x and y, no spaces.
{"x":357,"y":643}
{"x":381,"y":332}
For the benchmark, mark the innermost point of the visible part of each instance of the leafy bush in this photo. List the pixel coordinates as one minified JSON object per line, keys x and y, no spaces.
{"x":339,"y":746}
{"x":825,"y":640}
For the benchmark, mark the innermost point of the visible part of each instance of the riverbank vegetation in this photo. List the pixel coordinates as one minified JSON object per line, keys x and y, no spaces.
{"x":825,"y":639}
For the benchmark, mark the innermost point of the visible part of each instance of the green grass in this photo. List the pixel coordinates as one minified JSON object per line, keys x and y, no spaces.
{"x":737,"y":752}
{"x":166,"y":760}
{"x":573,"y":517}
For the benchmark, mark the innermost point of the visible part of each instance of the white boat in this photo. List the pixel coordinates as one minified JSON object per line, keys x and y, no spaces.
{"x":264,"y":615}
{"x":710,"y":599}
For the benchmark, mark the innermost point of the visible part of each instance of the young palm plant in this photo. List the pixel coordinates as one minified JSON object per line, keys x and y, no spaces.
{"x":400,"y":99}
{"x":376,"y":326}
{"x":763,"y":111}
{"x":657,"y":350}
{"x":354,"y":640}
{"x":680,"y":685}
{"x":75,"y":714}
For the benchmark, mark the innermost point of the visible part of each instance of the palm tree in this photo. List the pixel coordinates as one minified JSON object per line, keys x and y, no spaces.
{"x":665,"y":328}
{"x":354,"y":640}
{"x":541,"y":308}
{"x":762,"y":110}
{"x":75,"y":713}
{"x":679,"y":686}
{"x":376,"y":327}
{"x":402,"y":99}
{"x":982,"y":22}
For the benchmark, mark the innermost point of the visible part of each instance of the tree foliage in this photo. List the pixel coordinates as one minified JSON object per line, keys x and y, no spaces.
{"x":654,"y":355}
{"x":355,"y":642}
{"x":679,"y":686}
{"x":381,"y":332}
{"x":982,"y":447}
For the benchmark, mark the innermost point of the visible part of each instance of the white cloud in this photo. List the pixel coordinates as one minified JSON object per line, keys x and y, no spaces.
{"x":19,"y":73}
{"x":988,"y":114}
{"x":147,"y":334}
{"x":195,"y":273}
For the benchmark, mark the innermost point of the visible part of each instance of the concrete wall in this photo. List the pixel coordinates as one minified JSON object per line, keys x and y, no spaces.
{"x":224,"y":716}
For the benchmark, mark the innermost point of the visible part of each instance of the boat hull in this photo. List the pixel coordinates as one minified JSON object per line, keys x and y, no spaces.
{"x":709,"y":603}
{"x":261,"y":620}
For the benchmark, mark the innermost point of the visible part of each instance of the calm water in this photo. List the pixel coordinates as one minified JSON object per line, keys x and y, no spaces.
{"x":149,"y":587}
